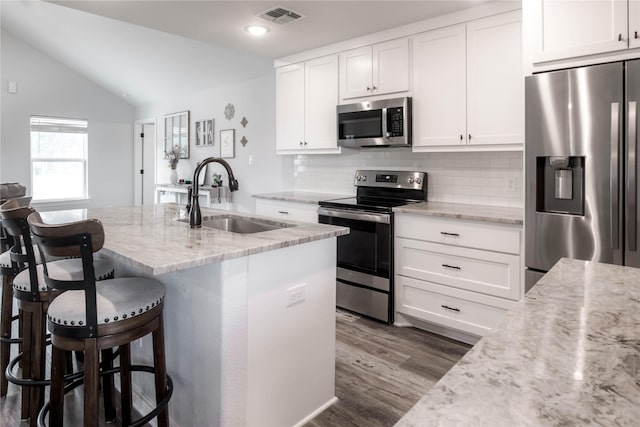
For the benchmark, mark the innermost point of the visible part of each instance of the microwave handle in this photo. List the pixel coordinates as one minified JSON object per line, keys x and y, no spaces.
{"x":384,"y":123}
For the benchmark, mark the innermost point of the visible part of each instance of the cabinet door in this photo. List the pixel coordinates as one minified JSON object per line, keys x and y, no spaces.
{"x":390,"y":67}
{"x":439,"y":88}
{"x":569,"y":28}
{"x":321,"y":98}
{"x":290,"y":107}
{"x":495,"y":81}
{"x":355,"y":73}
{"x":634,"y":23}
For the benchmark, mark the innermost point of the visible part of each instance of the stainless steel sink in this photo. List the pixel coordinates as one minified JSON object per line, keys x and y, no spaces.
{"x":240,"y":225}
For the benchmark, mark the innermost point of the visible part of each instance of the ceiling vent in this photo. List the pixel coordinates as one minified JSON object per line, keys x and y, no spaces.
{"x":280,"y":15}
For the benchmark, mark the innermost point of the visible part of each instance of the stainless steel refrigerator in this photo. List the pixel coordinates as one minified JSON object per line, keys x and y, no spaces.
{"x":581,"y":166}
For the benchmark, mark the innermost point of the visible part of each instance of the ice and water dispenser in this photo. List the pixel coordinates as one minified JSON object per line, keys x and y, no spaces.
{"x":560,"y":185}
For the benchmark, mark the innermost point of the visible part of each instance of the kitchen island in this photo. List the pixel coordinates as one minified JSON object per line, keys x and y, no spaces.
{"x":249,"y":318}
{"x":568,"y":354}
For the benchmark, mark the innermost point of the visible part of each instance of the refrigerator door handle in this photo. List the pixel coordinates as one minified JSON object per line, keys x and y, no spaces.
{"x":614,"y":171}
{"x":632,"y":165}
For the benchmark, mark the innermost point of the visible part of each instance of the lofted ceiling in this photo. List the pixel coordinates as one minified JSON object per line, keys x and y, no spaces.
{"x":151,"y":50}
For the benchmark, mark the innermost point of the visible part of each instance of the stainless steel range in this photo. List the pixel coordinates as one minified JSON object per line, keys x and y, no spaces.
{"x":364,"y":277}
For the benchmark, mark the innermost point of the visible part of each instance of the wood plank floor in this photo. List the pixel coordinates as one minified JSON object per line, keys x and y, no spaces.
{"x":382,"y":371}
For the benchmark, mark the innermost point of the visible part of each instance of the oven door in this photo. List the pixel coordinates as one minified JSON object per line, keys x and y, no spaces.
{"x":364,"y":255}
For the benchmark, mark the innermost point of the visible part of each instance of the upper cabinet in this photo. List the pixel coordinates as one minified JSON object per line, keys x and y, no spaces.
{"x":468,"y":86}
{"x":375,"y":70}
{"x":306,"y":99}
{"x":563,"y":29}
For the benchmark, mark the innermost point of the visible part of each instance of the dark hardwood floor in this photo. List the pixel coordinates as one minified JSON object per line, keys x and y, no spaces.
{"x":382,"y":371}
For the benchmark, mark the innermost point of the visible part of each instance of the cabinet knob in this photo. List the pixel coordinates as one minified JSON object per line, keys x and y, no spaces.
{"x":305,"y":143}
{"x":368,"y":88}
{"x":620,"y":37}
{"x":635,"y":34}
{"x":469,"y":137}
{"x":374,"y":88}
{"x":461,"y":137}
{"x":301,"y":143}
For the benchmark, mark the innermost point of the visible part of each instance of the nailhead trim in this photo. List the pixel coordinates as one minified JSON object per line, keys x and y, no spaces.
{"x":107,"y":319}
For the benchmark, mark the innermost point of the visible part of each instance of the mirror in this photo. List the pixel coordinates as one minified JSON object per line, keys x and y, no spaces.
{"x":176,"y":132}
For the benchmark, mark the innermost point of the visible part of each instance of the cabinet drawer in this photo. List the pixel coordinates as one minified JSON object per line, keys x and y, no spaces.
{"x":304,"y":212}
{"x":490,"y":273}
{"x":456,"y":232}
{"x":449,"y":307}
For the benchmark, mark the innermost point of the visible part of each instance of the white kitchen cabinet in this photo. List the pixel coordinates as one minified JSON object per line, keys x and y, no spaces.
{"x":468,"y":86}
{"x":304,"y":212}
{"x":457,"y":274}
{"x":634,"y":23}
{"x":568,"y":29}
{"x":306,"y":99}
{"x":379,"y":69}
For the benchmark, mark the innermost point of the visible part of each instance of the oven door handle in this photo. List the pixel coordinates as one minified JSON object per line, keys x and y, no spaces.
{"x":358,"y":216}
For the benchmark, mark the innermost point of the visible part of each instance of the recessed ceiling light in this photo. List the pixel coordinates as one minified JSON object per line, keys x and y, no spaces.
{"x":256,"y":30}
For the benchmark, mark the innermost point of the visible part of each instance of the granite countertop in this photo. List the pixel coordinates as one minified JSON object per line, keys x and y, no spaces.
{"x":152,"y":238}
{"x":469,"y":212}
{"x":300,"y":196}
{"x":568,"y":354}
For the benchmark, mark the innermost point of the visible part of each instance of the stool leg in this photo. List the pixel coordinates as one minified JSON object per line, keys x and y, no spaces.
{"x":107,"y":386}
{"x":56,"y":402}
{"x":91,"y":381}
{"x":26,"y":360}
{"x":6,"y":312}
{"x":125,"y":384}
{"x":160,"y":368}
{"x":37,"y":363}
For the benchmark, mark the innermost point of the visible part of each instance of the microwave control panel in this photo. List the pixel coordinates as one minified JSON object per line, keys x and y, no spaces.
{"x":395,"y":122}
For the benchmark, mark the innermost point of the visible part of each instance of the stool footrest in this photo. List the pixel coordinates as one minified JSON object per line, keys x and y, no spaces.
{"x":79,"y":380}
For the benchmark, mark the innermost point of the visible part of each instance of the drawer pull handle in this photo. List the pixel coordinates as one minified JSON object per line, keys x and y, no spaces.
{"x":444,"y":233}
{"x":455,"y":267}
{"x":284,"y":212}
{"x":450,"y":308}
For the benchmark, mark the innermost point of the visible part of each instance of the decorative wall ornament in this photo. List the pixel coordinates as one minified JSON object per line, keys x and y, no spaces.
{"x":244,"y":122}
{"x":204,"y":133}
{"x":244,"y":141}
{"x":227,"y":143}
{"x":229,"y":111}
{"x":176,"y":133}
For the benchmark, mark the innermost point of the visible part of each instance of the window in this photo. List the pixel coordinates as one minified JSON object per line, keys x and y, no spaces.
{"x":58,"y":158}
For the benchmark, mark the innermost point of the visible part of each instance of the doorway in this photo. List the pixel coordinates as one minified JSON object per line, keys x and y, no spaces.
{"x":144,"y":162}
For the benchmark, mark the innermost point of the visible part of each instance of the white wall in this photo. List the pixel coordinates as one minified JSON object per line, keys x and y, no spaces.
{"x":473,"y":178}
{"x":253,"y":99}
{"x":47,"y":87}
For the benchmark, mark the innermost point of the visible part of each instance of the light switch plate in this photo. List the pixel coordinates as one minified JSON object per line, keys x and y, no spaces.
{"x":13,"y":87}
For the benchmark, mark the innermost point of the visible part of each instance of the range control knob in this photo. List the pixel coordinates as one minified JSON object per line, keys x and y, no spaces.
{"x":418,"y":181}
{"x":410,"y":180}
{"x":364,"y":177}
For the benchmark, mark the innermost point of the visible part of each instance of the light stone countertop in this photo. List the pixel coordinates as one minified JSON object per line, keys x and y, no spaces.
{"x":151,"y":238}
{"x":300,"y":196}
{"x":568,"y":354}
{"x":469,"y":212}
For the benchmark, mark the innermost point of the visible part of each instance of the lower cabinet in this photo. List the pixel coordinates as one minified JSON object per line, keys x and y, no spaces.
{"x":293,"y":211}
{"x":456,"y":275}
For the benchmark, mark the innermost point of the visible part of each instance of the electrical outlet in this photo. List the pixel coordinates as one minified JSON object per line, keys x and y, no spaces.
{"x":250,"y":159}
{"x":296,"y":294}
{"x":510,"y":184}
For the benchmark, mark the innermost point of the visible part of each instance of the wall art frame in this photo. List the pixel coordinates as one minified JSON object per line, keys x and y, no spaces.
{"x":227,"y":143}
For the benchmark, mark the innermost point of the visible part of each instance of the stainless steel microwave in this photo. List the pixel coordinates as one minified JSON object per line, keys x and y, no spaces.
{"x":381,"y":123}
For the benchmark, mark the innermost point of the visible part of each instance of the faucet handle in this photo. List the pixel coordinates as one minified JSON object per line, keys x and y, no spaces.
{"x":189,"y":195}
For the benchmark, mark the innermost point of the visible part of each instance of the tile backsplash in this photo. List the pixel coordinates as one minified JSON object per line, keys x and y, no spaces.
{"x":485,"y":178}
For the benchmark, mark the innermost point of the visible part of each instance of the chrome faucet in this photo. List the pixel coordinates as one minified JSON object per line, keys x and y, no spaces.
{"x":195,"y":216}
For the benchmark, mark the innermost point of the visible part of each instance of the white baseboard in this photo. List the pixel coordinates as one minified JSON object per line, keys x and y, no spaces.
{"x":316,"y":412}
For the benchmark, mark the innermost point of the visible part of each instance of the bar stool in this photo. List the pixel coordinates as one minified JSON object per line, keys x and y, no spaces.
{"x":30,"y":291}
{"x":90,"y":316}
{"x":8,"y":270}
